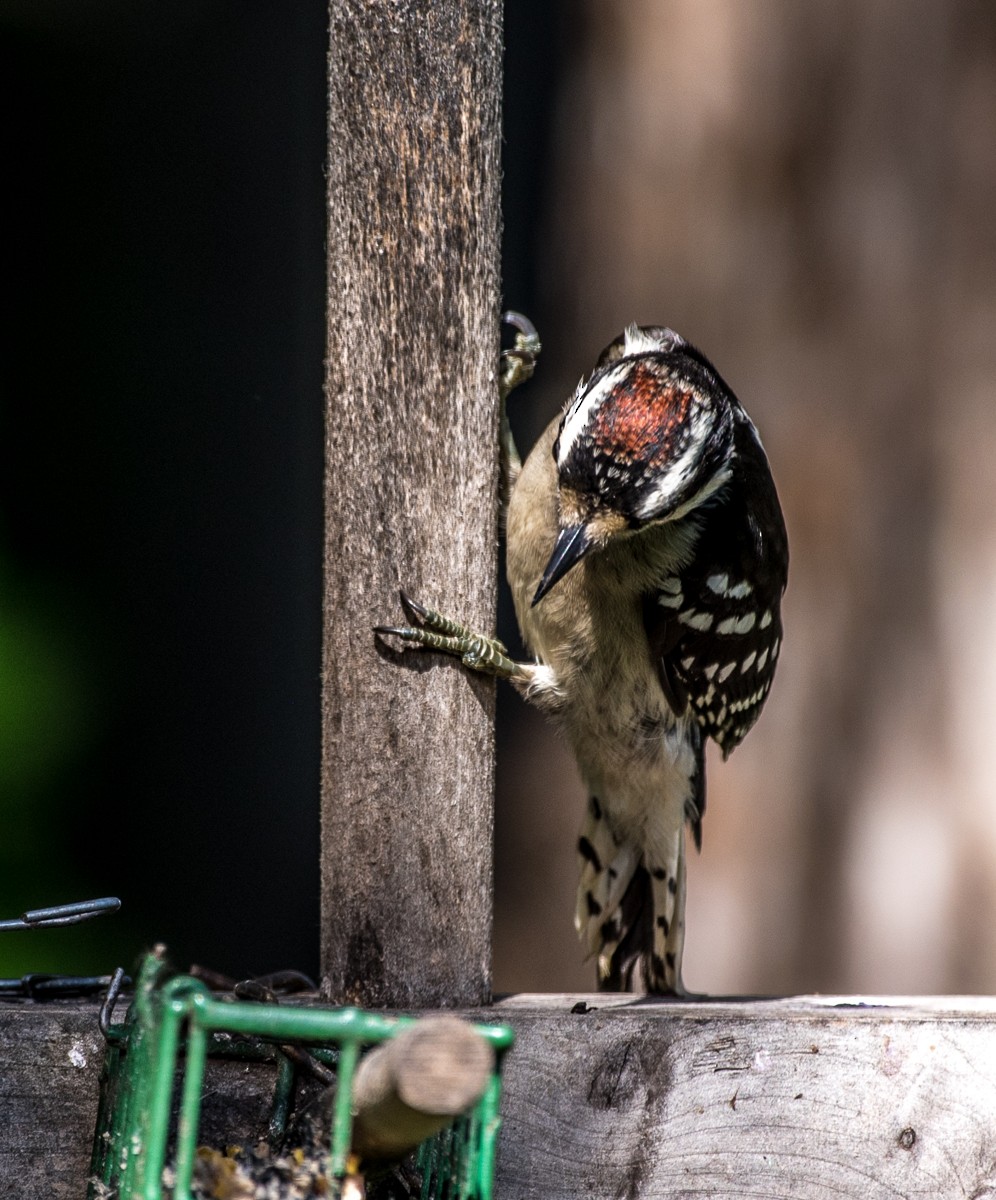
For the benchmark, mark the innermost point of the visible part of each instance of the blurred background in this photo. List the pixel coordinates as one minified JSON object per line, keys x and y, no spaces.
{"x":804,"y":191}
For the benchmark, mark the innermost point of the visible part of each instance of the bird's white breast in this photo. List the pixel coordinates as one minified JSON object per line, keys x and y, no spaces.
{"x":596,"y":675}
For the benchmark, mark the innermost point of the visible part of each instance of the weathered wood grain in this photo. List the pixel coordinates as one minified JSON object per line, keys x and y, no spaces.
{"x":803,"y":1098}
{"x":411,"y":496}
{"x":789,"y":1099}
{"x":50,"y":1061}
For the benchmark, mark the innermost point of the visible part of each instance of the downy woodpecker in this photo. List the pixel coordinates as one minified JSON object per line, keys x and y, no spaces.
{"x":647,"y":558}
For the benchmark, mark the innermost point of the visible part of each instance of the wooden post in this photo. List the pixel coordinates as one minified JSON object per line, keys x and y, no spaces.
{"x":411,"y":496}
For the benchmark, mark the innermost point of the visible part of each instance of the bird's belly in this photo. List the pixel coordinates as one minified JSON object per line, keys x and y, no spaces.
{"x":635,"y":756}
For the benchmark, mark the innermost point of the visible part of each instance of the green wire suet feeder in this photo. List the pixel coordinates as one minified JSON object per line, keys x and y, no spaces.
{"x":174,"y":1024}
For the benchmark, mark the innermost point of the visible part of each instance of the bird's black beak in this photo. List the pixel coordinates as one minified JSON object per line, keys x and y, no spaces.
{"x":573,"y":543}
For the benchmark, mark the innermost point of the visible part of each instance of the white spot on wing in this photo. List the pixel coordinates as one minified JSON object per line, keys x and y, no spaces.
{"x":765,"y":619}
{"x":718,"y":583}
{"x":739,"y":590}
{"x":671,"y":601}
{"x":726,"y":672}
{"x":748,"y":662}
{"x":762,"y":658}
{"x":738,"y":625}
{"x":696,"y":620}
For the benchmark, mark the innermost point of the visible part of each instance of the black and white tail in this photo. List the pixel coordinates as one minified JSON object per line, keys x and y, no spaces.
{"x":631,"y":906}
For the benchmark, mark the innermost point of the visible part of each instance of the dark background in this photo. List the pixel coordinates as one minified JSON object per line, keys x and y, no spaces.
{"x":805,"y":191}
{"x":161,"y":473}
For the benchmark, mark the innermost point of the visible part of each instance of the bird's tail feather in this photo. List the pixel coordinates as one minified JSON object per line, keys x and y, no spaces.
{"x":631,"y":908}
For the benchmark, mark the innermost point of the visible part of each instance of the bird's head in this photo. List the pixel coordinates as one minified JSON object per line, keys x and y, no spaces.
{"x":647,"y":439}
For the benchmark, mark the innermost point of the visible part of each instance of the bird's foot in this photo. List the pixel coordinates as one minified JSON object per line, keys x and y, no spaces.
{"x":430,"y":630}
{"x":519,"y":361}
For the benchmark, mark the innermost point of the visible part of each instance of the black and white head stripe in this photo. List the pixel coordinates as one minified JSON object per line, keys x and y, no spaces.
{"x":590,"y":393}
{"x":649,"y":434}
{"x":588,"y":398}
{"x":672,"y":492}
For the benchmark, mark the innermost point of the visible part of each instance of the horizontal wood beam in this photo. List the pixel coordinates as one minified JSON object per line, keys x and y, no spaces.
{"x":814,"y":1097}
{"x":818,"y":1097}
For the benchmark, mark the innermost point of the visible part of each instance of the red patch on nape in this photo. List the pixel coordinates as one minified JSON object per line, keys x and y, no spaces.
{"x":641,"y":418}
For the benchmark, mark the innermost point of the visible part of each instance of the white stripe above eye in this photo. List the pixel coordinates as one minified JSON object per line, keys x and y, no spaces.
{"x":673,"y":481}
{"x":586,"y":400}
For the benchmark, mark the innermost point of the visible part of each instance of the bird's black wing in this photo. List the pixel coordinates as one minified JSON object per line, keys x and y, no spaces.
{"x":715,"y":628}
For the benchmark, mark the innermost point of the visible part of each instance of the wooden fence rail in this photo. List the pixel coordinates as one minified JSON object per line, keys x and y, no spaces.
{"x":812,"y":1098}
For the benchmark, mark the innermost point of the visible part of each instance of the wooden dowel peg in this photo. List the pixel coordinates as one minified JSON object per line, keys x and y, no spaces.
{"x":411,"y":1087}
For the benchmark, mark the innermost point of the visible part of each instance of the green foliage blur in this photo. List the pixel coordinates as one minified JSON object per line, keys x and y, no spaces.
{"x":51,"y":716}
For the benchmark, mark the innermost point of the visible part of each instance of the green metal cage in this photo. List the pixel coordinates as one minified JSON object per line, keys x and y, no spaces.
{"x":174,"y":1024}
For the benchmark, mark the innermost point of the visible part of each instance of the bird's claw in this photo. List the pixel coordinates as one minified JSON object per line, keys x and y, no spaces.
{"x":430,"y":630}
{"x":519,"y":361}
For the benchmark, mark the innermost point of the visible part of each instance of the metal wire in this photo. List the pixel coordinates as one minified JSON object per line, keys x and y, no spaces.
{"x":114,"y":985}
{"x":37,"y":986}
{"x":54,"y":987}
{"x":62,"y":914}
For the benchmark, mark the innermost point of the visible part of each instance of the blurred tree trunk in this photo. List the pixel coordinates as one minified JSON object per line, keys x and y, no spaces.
{"x":806,"y":192}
